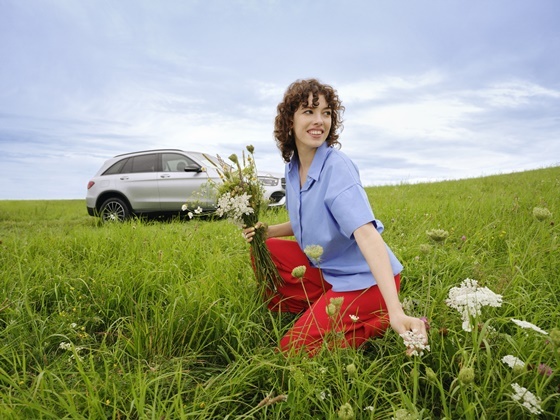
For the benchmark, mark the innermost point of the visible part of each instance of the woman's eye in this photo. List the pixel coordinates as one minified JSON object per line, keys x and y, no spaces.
{"x":328,"y":113}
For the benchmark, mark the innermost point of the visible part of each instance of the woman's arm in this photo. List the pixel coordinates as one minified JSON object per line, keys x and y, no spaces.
{"x":273,"y":231}
{"x":374,"y":251}
{"x":282,"y":229}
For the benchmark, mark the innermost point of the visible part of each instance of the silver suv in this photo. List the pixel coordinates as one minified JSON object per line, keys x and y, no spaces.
{"x":155,"y":182}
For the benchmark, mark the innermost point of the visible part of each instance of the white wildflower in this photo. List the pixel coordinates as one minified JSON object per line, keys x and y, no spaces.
{"x":415,"y":343}
{"x":470,"y":298}
{"x":354,"y":318}
{"x":369,"y":408}
{"x":513,"y":362}
{"x":184,"y":207}
{"x":190,"y":214}
{"x":525,"y":324}
{"x":234,"y":207}
{"x":65,"y":346}
{"x":323,"y":395}
{"x":198,"y":210}
{"x":76,"y":357}
{"x":73,"y":325}
{"x":527,"y":399}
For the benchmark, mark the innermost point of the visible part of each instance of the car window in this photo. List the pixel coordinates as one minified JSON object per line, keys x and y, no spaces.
{"x":142,"y":163}
{"x":116,"y":168}
{"x":175,"y":162}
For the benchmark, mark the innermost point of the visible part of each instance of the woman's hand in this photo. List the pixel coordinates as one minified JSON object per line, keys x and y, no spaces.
{"x":402,"y":323}
{"x":249,"y":232}
{"x":272,"y":231}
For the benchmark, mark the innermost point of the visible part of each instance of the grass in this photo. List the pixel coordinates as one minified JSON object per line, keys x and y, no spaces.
{"x":161,"y":319}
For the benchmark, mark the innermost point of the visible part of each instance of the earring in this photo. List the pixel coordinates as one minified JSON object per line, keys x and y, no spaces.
{"x":290,"y":133}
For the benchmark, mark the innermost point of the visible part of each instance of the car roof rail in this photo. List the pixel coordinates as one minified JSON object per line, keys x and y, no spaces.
{"x":152,"y":150}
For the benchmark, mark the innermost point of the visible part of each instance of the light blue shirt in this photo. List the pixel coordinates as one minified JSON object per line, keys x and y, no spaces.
{"x":326,"y":211}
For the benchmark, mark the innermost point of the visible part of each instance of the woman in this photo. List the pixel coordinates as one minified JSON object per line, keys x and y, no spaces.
{"x":327,"y":206}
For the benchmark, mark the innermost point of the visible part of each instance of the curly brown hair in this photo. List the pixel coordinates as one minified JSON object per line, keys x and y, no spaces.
{"x":296,"y":95}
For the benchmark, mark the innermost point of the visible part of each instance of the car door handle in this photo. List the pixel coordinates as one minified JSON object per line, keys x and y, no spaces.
{"x":164,"y":176}
{"x":124,"y":178}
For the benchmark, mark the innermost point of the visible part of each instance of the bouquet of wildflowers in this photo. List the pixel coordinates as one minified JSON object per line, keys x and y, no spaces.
{"x":240,"y":199}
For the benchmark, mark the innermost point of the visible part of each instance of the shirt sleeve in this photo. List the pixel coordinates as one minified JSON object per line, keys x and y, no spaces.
{"x":351,"y":209}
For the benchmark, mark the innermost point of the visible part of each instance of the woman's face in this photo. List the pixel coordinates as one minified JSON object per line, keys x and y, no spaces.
{"x":311,"y":125}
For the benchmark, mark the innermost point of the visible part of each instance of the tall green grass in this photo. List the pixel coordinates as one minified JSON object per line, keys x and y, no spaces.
{"x":161,"y":319}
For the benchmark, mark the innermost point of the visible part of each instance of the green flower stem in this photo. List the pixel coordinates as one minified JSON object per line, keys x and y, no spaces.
{"x":265,"y":270}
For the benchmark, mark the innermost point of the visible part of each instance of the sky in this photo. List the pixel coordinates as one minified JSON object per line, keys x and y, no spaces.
{"x":433,"y":90}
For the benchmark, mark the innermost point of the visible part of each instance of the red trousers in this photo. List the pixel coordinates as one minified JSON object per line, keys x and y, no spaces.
{"x":361,"y":315}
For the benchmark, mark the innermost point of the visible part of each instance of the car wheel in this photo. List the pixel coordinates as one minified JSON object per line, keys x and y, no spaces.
{"x":114,"y":210}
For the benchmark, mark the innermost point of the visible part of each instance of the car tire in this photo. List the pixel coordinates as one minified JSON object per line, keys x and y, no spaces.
{"x":114,"y":210}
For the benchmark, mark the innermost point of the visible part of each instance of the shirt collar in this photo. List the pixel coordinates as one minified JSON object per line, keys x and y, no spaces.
{"x":316,"y":166}
{"x":318,"y":161}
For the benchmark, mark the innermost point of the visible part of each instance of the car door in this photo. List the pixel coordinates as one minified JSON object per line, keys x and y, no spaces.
{"x":137,"y":180}
{"x":183,"y":181}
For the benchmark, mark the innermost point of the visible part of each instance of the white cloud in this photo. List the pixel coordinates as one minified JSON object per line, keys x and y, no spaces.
{"x":434,"y":118}
{"x":516,"y":93}
{"x":383,"y":87}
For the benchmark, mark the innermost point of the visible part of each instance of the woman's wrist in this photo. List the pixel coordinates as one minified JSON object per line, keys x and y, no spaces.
{"x":264,"y":227}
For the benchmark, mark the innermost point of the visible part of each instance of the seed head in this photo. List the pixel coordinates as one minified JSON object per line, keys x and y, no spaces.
{"x":541,"y":213}
{"x":346,"y":412}
{"x":466,"y":375}
{"x":555,"y":337}
{"x":431,"y":375}
{"x":314,"y":252}
{"x":351,"y":370}
{"x":437,"y":235}
{"x":299,"y":271}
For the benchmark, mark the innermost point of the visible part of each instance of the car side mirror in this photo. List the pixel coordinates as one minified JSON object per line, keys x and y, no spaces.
{"x":194,"y":168}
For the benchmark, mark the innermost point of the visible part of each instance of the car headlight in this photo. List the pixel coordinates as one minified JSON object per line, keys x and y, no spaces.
{"x":268,"y":181}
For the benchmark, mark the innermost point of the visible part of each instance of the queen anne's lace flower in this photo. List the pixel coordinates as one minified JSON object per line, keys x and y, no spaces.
{"x":234,"y":206}
{"x":470,"y":298}
{"x":415,"y":343}
{"x":513,"y":362}
{"x":527,"y":399}
{"x":65,"y":346}
{"x":525,"y":324}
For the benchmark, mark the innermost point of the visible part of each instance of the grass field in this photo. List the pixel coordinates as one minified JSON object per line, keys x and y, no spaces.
{"x":161,"y":320}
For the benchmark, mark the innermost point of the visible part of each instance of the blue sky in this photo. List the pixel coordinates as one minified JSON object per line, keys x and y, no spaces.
{"x":433,"y":90}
